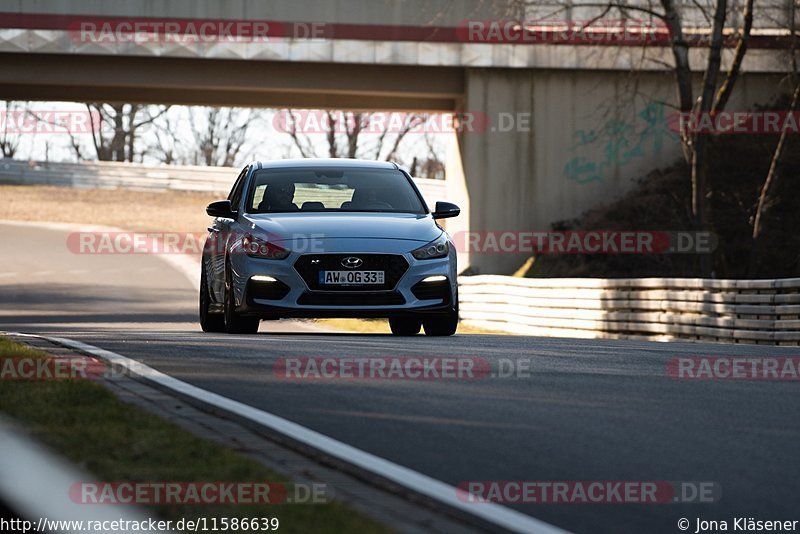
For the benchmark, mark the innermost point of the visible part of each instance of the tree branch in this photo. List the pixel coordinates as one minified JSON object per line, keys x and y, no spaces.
{"x":725,"y":91}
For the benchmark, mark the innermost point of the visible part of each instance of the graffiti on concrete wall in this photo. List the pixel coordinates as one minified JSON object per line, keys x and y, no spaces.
{"x":618,"y":143}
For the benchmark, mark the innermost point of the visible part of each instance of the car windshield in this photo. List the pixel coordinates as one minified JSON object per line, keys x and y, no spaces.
{"x":332,"y":190}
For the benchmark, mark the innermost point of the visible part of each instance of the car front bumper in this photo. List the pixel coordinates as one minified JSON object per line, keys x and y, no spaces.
{"x":290,"y":295}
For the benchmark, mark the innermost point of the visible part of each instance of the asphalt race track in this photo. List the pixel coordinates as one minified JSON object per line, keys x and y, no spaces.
{"x":589,"y":410}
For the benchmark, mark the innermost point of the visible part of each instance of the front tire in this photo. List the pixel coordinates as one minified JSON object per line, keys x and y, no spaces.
{"x":442,"y":326}
{"x":209,"y":322}
{"x":235,"y":323}
{"x":405,"y":327}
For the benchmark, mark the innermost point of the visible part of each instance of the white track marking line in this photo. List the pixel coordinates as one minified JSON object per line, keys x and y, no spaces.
{"x":408,"y":478}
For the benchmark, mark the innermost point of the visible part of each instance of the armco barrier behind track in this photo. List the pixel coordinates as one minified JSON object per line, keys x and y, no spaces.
{"x":733,"y":311}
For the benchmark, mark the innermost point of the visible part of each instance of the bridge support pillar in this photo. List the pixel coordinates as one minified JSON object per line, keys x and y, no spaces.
{"x":497,"y":156}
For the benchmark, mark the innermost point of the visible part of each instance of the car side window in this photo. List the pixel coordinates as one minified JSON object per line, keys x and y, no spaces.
{"x":236,"y":192}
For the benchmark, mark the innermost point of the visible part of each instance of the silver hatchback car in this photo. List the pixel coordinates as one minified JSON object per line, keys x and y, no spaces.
{"x":328,"y":238}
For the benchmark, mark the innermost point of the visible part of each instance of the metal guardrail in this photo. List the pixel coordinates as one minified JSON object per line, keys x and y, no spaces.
{"x":738,"y":311}
{"x":108,"y":174}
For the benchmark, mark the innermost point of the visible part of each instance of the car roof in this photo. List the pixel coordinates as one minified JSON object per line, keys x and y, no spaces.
{"x":326,"y":163}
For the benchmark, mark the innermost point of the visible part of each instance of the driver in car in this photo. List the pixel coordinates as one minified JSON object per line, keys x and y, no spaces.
{"x":369,"y":198}
{"x":278,"y":197}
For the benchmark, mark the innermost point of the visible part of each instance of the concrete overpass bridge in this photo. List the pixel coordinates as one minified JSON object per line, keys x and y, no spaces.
{"x":568,"y":126}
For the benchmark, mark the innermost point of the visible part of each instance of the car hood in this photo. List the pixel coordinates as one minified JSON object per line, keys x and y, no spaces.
{"x":290,"y":226}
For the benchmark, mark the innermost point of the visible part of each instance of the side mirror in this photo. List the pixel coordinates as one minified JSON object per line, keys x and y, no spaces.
{"x":446,"y":210}
{"x":221,"y":208}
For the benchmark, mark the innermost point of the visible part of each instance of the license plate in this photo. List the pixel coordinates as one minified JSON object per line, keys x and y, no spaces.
{"x":348,"y":278}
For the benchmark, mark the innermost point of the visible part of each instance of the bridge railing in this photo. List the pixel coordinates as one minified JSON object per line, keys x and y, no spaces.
{"x":737,"y":311}
{"x":109,"y":174}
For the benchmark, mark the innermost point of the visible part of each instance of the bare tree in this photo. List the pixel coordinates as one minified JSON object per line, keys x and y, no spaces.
{"x":429,"y":166}
{"x":764,"y":198}
{"x":219,"y":134}
{"x":9,"y":139}
{"x":775,"y":162}
{"x":349,"y":134}
{"x":713,"y":95}
{"x":115,"y":137}
{"x":165,"y":144}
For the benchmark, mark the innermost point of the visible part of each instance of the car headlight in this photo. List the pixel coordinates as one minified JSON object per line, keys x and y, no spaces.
{"x":255,"y":247}
{"x":438,"y":248}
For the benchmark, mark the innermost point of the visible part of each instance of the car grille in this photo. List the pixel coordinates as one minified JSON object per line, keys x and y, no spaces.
{"x":394,"y":266}
{"x":338,"y":298}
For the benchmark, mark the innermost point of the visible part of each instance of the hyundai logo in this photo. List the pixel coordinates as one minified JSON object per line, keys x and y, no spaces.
{"x":352,"y":262}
